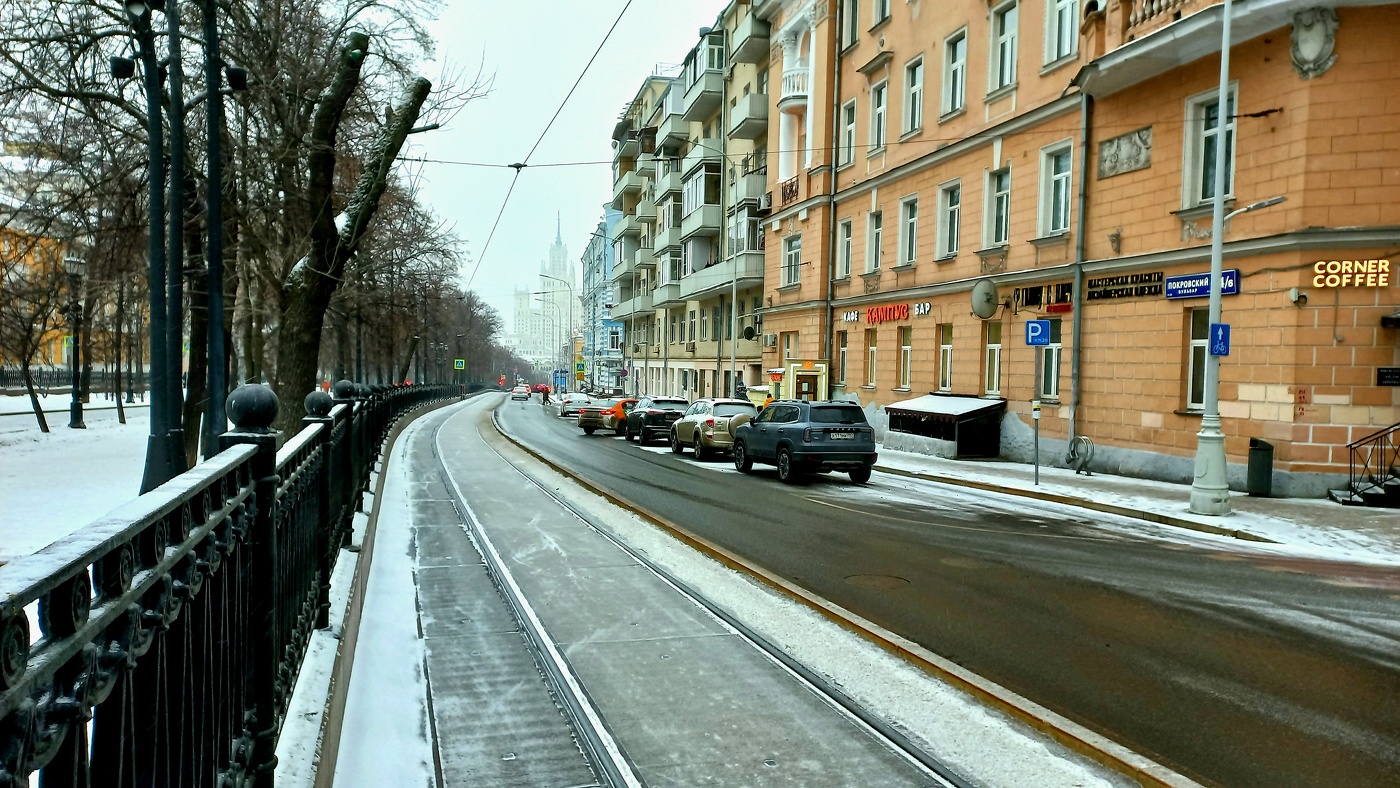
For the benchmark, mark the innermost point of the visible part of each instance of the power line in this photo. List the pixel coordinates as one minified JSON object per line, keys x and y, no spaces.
{"x":492,"y":234}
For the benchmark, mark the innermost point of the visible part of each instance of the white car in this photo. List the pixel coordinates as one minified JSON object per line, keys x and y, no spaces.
{"x":569,"y":404}
{"x":520,"y":392}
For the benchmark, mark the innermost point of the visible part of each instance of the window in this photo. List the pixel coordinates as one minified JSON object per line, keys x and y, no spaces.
{"x":878,"y":96}
{"x":792,"y":259}
{"x":1054,"y":190}
{"x":993,"y":371}
{"x":790,"y":344}
{"x":715,"y":320}
{"x":1061,"y":29}
{"x":906,"y":354}
{"x":1203,"y":147}
{"x":1003,"y":69}
{"x":1196,"y":359}
{"x":869,"y":356}
{"x":949,"y":212}
{"x":701,"y":188}
{"x":672,"y":339}
{"x":955,"y":72}
{"x":729,"y":321}
{"x":908,"y":230}
{"x":691,"y":336}
{"x":850,"y":22}
{"x":841,"y":357}
{"x":945,"y":357}
{"x":704,"y":324}
{"x":999,"y":208}
{"x":873,"y":248}
{"x":843,"y":255}
{"x":615,"y":339}
{"x":881,"y":9}
{"x":1050,"y":364}
{"x":914,"y":95}
{"x":848,"y":132}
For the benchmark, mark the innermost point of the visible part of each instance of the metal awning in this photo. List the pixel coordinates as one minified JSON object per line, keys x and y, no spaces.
{"x":946,"y":405}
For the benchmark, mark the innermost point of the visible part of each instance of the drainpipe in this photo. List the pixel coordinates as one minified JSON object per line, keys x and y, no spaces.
{"x":831,"y":208}
{"x":1086,"y":107}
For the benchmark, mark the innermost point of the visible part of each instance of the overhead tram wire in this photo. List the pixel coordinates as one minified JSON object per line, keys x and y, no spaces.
{"x":526,"y":161}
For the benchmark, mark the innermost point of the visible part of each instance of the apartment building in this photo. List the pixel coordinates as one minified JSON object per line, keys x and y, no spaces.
{"x":602,"y":335}
{"x":690,"y":166}
{"x":1064,"y":152}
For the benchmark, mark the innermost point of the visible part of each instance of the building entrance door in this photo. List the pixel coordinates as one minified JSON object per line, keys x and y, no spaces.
{"x":806,"y":387}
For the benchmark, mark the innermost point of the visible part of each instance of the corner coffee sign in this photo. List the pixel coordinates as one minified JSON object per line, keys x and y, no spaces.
{"x":1351,"y":273}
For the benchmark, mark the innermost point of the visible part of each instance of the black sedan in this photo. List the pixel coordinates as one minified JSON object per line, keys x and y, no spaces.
{"x":653,"y":417}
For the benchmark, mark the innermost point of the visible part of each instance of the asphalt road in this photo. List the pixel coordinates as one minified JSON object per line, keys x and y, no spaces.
{"x":1231,"y":665}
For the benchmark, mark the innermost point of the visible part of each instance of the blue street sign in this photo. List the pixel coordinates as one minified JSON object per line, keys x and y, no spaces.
{"x":1037,"y":332}
{"x":1198,"y":285}
{"x":1220,"y":339}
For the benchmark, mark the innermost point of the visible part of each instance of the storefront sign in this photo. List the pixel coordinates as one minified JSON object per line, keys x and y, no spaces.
{"x":1388,"y":376}
{"x":1198,"y":285}
{"x":1351,"y":273}
{"x":1126,"y":286}
{"x":852,"y":316}
{"x":879,"y":314}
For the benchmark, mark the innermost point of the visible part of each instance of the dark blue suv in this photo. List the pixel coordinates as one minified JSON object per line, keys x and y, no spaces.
{"x":803,"y":437}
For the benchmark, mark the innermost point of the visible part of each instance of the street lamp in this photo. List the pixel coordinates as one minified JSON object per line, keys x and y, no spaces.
{"x":76,"y":268}
{"x":1210,"y":487}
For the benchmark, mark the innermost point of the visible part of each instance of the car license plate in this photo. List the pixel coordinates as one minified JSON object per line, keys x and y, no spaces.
{"x":843,"y":436}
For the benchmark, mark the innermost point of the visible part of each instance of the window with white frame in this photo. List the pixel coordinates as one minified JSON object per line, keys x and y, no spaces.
{"x":1203,"y":131}
{"x":1061,"y":29}
{"x":704,"y":324}
{"x":908,"y":230}
{"x":1050,"y":364}
{"x":945,"y":357}
{"x":841,"y":357}
{"x":790,"y":344}
{"x":870,"y":347}
{"x":914,"y":95}
{"x":999,"y":207}
{"x":955,"y":72}
{"x":949,"y":216}
{"x":1196,"y":358}
{"x":843,"y":249}
{"x":1003,"y":46}
{"x":873,"y":247}
{"x":906,"y":354}
{"x":850,"y":22}
{"x":690,"y":337}
{"x":848,"y":132}
{"x":881,"y":9}
{"x":1055,"y":189}
{"x":879,"y":96}
{"x":993,"y":369}
{"x":792,"y":259}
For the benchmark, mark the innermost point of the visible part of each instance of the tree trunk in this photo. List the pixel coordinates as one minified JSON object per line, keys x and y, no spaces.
{"x":33,"y":397}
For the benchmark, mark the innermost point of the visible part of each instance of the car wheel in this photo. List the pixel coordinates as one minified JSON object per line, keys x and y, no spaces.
{"x":588,"y":430}
{"x":787,"y":471}
{"x":701,"y":453}
{"x":742,"y":463}
{"x":627,"y":433}
{"x":861,"y":475}
{"x":676,"y":447}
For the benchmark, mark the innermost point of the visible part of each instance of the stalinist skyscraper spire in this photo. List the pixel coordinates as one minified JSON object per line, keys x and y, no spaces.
{"x":559,"y":228}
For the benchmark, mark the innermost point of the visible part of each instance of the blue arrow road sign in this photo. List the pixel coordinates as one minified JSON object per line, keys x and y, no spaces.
{"x":1220,"y":339}
{"x":1037,"y":332}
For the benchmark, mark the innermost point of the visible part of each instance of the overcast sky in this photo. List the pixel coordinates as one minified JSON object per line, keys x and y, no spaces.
{"x":535,"y":49}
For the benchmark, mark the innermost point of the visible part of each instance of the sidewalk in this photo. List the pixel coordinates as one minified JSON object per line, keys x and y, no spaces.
{"x":1315,"y":526}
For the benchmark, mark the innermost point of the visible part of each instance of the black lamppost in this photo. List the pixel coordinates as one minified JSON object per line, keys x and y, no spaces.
{"x":76,"y":267}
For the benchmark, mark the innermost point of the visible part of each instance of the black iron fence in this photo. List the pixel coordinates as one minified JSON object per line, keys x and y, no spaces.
{"x":171,"y":631}
{"x":100,"y":380}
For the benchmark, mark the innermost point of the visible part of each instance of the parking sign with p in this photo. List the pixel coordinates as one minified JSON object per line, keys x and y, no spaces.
{"x":1037,"y":332}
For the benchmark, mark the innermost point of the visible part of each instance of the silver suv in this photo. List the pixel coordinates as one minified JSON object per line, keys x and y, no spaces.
{"x":709,"y":425}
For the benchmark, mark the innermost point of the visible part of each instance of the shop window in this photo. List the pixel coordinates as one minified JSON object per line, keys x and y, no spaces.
{"x":841,"y":357}
{"x":945,"y":357}
{"x":992,"y":378}
{"x":906,"y":354}
{"x":1050,"y":364}
{"x":870,"y":347}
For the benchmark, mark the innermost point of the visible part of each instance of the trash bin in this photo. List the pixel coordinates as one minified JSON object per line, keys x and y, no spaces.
{"x":1260,"y":479}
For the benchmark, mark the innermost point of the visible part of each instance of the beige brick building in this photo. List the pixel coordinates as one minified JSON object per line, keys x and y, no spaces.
{"x":1064,"y":151}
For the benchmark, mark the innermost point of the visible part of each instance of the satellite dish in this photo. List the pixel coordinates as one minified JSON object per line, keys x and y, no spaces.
{"x":749,"y":333}
{"x":985,"y":299}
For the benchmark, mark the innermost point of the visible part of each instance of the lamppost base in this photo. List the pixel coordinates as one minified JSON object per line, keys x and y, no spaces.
{"x":75,"y":416}
{"x":157,"y":470}
{"x":1210,"y":490}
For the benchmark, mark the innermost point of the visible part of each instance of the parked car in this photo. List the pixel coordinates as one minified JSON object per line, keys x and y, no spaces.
{"x":707,"y":425}
{"x":569,"y":404}
{"x":520,"y":392}
{"x":608,"y":414}
{"x":653,"y":417}
{"x":803,"y":437}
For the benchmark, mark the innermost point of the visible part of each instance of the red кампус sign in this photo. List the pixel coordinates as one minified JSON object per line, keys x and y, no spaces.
{"x":879,"y":314}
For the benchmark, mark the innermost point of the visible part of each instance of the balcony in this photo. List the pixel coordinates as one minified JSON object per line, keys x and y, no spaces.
{"x":749,"y":188}
{"x":625,"y":309}
{"x":626,"y":146}
{"x":623,"y":269}
{"x":750,"y":40}
{"x":666,"y":239}
{"x":749,"y":118}
{"x":643,"y":259}
{"x":673,"y":131}
{"x":646,"y":209}
{"x":704,"y":95}
{"x":670,"y":182}
{"x":704,"y":220}
{"x":646,"y":164}
{"x":746,"y":267}
{"x":667,"y":296}
{"x":794,"y":88}
{"x":628,"y":183}
{"x":789,"y":192}
{"x":703,"y":153}
{"x":628,"y":225}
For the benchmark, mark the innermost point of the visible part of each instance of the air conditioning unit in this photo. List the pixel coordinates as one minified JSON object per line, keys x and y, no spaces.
{"x":765,"y":203}
{"x":770,"y":340}
{"x":636,"y":349}
{"x":690,"y":347}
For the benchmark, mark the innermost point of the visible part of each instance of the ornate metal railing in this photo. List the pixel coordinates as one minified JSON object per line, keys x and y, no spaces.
{"x":1373,"y":462}
{"x":170,"y":632}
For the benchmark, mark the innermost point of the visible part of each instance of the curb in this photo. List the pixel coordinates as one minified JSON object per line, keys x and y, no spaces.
{"x":1062,"y":730}
{"x":1082,"y":503}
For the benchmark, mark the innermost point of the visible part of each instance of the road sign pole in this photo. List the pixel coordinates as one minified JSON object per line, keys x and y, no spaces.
{"x":1035,"y":413}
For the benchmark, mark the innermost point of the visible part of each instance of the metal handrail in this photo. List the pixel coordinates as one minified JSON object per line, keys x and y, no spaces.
{"x":1381,"y":453}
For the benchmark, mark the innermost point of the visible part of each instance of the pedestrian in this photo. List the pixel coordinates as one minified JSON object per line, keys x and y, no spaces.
{"x":767,"y":402}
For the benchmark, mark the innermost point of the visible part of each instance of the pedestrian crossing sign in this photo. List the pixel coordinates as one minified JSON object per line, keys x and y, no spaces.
{"x":459,"y":363}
